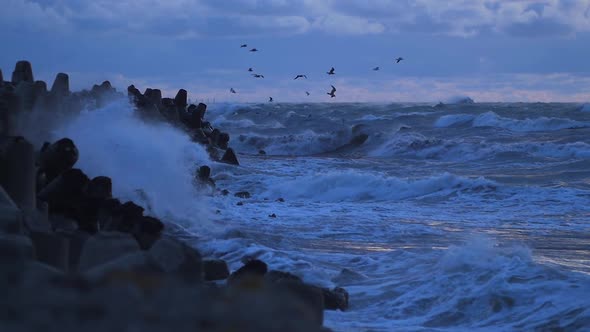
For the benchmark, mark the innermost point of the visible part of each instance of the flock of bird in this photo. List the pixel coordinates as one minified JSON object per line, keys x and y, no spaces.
{"x":332,"y":71}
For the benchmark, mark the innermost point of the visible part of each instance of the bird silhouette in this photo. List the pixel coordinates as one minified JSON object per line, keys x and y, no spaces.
{"x":332,"y":93}
{"x":376,"y":68}
{"x":253,"y":50}
{"x":398,"y":60}
{"x":243,"y":45}
{"x":258,"y":76}
{"x":331,"y":72}
{"x":300,"y":76}
{"x":250,"y":69}
{"x":307,"y":93}
{"x":232,"y":90}
{"x":270,"y":100}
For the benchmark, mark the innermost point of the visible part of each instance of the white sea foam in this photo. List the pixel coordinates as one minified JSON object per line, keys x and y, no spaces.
{"x":157,"y":159}
{"x":491,"y":119}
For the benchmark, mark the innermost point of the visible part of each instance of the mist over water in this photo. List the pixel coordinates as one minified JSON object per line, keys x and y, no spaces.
{"x":469,"y":217}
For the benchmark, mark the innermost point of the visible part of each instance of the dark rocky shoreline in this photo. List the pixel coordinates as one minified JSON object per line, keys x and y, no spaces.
{"x":75,"y":258}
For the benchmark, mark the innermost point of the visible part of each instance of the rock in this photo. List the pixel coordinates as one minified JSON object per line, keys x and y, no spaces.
{"x":61,"y":85}
{"x":180,"y":101}
{"x":204,"y":173}
{"x":76,"y":239}
{"x":100,"y":188}
{"x":147,"y":231}
{"x":359,"y":139}
{"x":126,"y":217}
{"x":272,"y":215}
{"x":262,"y":152}
{"x":223,"y":141}
{"x":155,"y":96}
{"x":214,"y":137}
{"x":39,"y":90}
{"x":280,"y":200}
{"x":201,"y":109}
{"x":58,"y":158}
{"x":11,"y":217}
{"x":26,"y":94}
{"x":175,"y":257}
{"x":229,"y":157}
{"x":17,"y":171}
{"x":242,"y":194}
{"x":215,"y":269}
{"x":274,"y":277}
{"x":16,"y":248}
{"x":104,"y":247}
{"x":252,"y":268}
{"x":335,"y":299}
{"x":312,"y":296}
{"x":62,"y":224}
{"x":10,"y":108}
{"x":23,"y":72}
{"x":51,"y":249}
{"x":65,"y":194}
{"x":225,"y":192}
{"x":240,"y":203}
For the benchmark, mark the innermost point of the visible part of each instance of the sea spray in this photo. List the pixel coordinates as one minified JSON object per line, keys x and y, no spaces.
{"x":150,"y":163}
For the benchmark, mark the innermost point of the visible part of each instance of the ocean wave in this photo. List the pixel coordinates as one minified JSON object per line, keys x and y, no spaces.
{"x":356,"y":186}
{"x":305,"y":143}
{"x":453,"y":120}
{"x":585,"y":108}
{"x":491,"y":119}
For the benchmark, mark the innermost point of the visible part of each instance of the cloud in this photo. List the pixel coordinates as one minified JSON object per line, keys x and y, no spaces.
{"x":194,"y":18}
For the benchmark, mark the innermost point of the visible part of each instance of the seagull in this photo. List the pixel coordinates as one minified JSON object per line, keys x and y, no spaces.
{"x":232,"y":90}
{"x":376,"y":68}
{"x":300,"y":76}
{"x":331,"y":72}
{"x":398,"y":59}
{"x":258,"y":75}
{"x":270,"y":100}
{"x":253,"y":50}
{"x":333,"y":92}
{"x":250,"y":69}
{"x":307,"y":93}
{"x":243,"y":45}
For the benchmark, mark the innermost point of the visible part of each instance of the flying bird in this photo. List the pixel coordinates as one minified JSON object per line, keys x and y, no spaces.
{"x":398,"y":60}
{"x":376,"y":68}
{"x":250,"y":69}
{"x":333,"y":92}
{"x":307,"y":93}
{"x":232,"y":90}
{"x":258,"y":75}
{"x":270,"y":100}
{"x":331,"y":72}
{"x":300,"y":76}
{"x":243,"y":45}
{"x":253,"y":50}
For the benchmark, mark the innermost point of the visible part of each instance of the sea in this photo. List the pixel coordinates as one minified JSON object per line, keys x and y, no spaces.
{"x":457,"y":217}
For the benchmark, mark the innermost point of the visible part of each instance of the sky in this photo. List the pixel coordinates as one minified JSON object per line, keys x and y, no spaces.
{"x":489,"y":50}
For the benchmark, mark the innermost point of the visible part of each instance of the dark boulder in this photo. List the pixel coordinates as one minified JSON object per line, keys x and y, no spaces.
{"x":51,"y":249}
{"x":147,"y":231}
{"x":335,"y":299}
{"x":275,"y":277}
{"x":23,"y":72}
{"x":229,"y":157}
{"x":58,"y":158}
{"x":223,"y":141}
{"x":272,"y":215}
{"x":61,"y":85}
{"x":252,"y":268}
{"x":17,"y":171}
{"x":180,"y":101}
{"x":154,"y":95}
{"x":215,"y":269}
{"x":243,"y":194}
{"x":201,"y":109}
{"x":65,"y":194}
{"x":262,"y":152}
{"x":100,"y":188}
{"x":133,"y":93}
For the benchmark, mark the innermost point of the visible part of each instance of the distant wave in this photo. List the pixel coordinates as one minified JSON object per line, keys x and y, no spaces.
{"x":453,"y":120}
{"x":355,"y":186}
{"x":491,"y":119}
